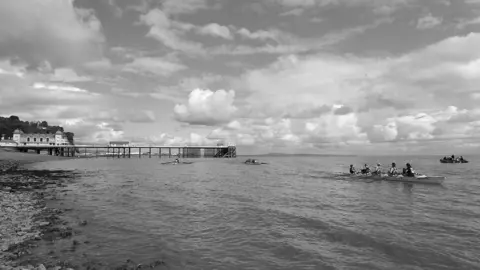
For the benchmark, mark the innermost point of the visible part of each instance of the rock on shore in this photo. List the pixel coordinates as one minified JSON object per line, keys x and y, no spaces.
{"x":25,"y":220}
{"x":24,"y":216}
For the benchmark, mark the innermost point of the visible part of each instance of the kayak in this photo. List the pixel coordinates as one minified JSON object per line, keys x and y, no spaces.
{"x":422,"y":179}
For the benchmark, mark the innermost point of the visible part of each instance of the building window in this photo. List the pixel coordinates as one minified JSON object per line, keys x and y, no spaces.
{"x":48,"y":139}
{"x":41,"y":139}
{"x":28,"y":139}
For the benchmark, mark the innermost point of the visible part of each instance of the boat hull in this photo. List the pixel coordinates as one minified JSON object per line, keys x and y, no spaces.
{"x":452,"y":161}
{"x":421,"y":179}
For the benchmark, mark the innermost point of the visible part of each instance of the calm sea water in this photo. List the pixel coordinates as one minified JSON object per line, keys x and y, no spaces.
{"x":293,"y":213}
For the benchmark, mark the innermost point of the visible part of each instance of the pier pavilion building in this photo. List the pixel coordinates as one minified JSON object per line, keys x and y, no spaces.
{"x":21,"y":138}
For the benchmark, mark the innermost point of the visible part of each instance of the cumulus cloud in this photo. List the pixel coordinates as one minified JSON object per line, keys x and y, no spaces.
{"x":36,"y":30}
{"x":381,"y":99}
{"x":269,"y":132}
{"x":206,"y":107}
{"x":166,"y":139}
{"x":216,"y":30}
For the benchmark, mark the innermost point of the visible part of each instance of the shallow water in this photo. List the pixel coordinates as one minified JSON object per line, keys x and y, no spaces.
{"x":293,"y":213}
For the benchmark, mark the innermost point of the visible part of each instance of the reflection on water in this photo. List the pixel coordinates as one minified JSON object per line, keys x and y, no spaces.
{"x":290,"y":214}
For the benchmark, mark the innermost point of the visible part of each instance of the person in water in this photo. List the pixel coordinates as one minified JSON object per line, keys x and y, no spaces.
{"x":176,"y":161}
{"x":409,"y":171}
{"x":352,"y":169}
{"x":366,"y":169}
{"x":393,"y":170}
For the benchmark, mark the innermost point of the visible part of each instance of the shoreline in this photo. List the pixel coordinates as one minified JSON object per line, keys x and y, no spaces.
{"x":35,"y":222}
{"x":23,"y":197}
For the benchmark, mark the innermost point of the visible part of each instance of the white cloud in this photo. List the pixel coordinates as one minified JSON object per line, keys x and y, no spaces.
{"x":154,"y":66}
{"x":56,"y":31}
{"x":289,"y":44}
{"x":468,"y":22}
{"x":383,"y":99}
{"x":167,"y":32}
{"x":260,"y":34}
{"x":206,"y":107}
{"x":293,"y":12}
{"x":183,"y":7}
{"x":428,"y":21}
{"x":58,"y":87}
{"x":68,"y":75}
{"x":217,"y":30}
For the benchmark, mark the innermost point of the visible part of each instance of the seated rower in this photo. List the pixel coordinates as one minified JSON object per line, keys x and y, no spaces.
{"x":366,"y":169}
{"x":352,"y":169}
{"x":393,"y":170}
{"x":409,"y":171}
{"x":378,"y":169}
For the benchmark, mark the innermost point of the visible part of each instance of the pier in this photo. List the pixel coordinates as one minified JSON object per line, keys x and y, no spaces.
{"x":132,"y":151}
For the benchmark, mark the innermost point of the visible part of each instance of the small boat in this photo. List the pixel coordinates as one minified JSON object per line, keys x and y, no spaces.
{"x":175,"y":163}
{"x":442,"y":160}
{"x":421,"y":178}
{"x":254,"y":162}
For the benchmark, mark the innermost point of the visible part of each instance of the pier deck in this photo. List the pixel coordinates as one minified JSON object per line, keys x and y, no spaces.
{"x":129,"y":151}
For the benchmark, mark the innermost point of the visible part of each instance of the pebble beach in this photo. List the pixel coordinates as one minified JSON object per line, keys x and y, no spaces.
{"x":27,"y":221}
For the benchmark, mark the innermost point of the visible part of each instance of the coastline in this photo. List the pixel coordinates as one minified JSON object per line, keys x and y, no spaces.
{"x":25,"y":217}
{"x":35,"y":222}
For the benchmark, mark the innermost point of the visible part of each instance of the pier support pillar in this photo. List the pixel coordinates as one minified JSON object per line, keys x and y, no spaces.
{"x":160,"y":152}
{"x":139,"y":152}
{"x":169,"y":152}
{"x":150,"y":153}
{"x":129,"y":152}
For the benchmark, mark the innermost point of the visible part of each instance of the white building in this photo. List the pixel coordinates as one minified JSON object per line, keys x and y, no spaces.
{"x":119,"y":144}
{"x":22,"y":138}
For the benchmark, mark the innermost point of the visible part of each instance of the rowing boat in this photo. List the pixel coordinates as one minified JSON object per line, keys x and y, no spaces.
{"x":453,"y":161}
{"x":423,"y":179}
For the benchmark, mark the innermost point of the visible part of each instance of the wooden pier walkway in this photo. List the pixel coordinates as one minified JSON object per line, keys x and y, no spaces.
{"x":129,"y":151}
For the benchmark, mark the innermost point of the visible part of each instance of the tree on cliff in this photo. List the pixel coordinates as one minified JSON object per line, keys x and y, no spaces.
{"x":9,"y":124}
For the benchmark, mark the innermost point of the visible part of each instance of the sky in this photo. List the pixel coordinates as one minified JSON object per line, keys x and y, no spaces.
{"x":283,"y":76}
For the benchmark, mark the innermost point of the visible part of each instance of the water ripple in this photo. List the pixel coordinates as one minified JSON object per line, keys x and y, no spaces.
{"x":290,"y":214}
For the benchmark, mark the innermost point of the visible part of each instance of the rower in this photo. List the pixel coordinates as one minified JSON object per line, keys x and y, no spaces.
{"x":352,"y":169}
{"x":393,"y":169}
{"x":378,"y":169}
{"x":366,"y":169}
{"x":409,"y":171}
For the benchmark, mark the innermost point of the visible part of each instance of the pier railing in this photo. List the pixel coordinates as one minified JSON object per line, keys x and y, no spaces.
{"x":131,"y":151}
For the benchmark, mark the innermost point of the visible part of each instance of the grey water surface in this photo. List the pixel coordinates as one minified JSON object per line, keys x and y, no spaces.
{"x":292,"y":213}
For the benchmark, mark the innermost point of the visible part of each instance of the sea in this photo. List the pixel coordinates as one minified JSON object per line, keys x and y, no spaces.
{"x":294,"y":212}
